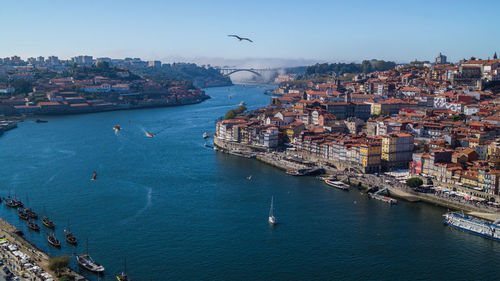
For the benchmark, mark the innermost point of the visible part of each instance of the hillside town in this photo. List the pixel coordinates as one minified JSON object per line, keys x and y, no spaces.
{"x":40,"y":86}
{"x":438,"y":121}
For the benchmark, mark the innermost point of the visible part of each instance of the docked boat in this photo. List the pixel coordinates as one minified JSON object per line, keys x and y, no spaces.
{"x":9,"y":202}
{"x":123,"y":276}
{"x":294,"y":173}
{"x":272,"y":219}
{"x":48,"y":223}
{"x":23,"y":215}
{"x":70,"y":239}
{"x":337,"y":184}
{"x":41,"y":121}
{"x":53,"y":240}
{"x":31,"y":213}
{"x":242,"y":103}
{"x":33,"y":226}
{"x":206,"y":135}
{"x":89,"y":264}
{"x":473,"y":225}
{"x":383,"y":198}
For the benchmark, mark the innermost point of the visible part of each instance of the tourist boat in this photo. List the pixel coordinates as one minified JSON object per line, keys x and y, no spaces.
{"x":70,"y":239}
{"x":41,"y":121}
{"x":206,"y":135}
{"x":9,"y":202}
{"x":272,"y":219}
{"x":23,"y":215}
{"x":94,"y":176}
{"x":53,"y":240}
{"x":33,"y":226}
{"x":48,"y":223}
{"x":473,"y":225}
{"x":337,"y":184}
{"x":88,"y":263}
{"x":31,"y":213}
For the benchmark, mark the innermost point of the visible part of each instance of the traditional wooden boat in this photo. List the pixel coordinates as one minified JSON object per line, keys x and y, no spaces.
{"x":33,"y":226}
{"x":48,"y":223}
{"x":31,"y":213}
{"x":53,"y":241}
{"x":23,"y":215}
{"x":70,"y":239}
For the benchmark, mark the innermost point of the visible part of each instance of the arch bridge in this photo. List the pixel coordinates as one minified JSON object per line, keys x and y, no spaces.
{"x":256,"y":71}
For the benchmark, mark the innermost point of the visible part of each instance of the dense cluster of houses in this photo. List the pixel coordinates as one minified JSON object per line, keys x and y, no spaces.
{"x":437,"y":120}
{"x":65,"y":92}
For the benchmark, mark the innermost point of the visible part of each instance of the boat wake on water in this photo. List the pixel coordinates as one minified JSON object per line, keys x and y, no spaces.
{"x":143,"y":209}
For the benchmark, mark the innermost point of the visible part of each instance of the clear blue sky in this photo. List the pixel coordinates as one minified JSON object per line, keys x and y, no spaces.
{"x":318,"y":30}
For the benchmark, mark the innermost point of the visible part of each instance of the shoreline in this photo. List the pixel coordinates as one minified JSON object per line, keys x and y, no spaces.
{"x":110,"y":108}
{"x":277,"y":160}
{"x":39,"y":257}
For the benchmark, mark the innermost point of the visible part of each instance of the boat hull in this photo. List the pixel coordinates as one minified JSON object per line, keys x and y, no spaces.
{"x":474,"y":226}
{"x":88,"y":265}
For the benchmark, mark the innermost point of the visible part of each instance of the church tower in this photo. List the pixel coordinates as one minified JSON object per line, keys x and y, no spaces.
{"x":495,"y":56}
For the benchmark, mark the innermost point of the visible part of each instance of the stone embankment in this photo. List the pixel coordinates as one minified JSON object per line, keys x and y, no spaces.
{"x":15,"y":259}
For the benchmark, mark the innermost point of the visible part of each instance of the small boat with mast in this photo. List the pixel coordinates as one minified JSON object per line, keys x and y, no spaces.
{"x":10,"y":202}
{"x":51,"y":238}
{"x":23,"y":215}
{"x":88,"y":263}
{"x":70,"y":239}
{"x":33,"y":226}
{"x":30,"y":211}
{"x":123,"y":276}
{"x":272,"y":219}
{"x":48,"y":223}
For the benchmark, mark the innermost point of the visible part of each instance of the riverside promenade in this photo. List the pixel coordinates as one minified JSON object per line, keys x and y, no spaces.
{"x":366,"y":181}
{"x":24,"y":259}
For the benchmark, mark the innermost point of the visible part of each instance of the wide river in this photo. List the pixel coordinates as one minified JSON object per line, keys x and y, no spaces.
{"x":180,"y":211}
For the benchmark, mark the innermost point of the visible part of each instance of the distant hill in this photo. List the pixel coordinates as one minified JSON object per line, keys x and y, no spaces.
{"x":202,"y":77}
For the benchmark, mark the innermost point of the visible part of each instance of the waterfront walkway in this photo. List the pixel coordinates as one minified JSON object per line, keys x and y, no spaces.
{"x":22,"y":258}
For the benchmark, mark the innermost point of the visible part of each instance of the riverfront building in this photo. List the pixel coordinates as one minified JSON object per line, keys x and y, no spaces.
{"x":436,"y":121}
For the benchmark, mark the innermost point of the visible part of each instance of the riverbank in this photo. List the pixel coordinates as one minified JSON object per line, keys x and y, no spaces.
{"x":366,"y":181}
{"x":24,"y":259}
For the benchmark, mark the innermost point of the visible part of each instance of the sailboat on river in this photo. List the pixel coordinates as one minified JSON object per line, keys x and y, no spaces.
{"x":272,"y":219}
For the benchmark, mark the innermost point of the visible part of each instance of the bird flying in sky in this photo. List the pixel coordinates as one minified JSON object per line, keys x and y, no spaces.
{"x":240,"y":38}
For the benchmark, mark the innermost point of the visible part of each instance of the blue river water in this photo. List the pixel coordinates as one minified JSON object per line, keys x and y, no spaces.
{"x":180,"y":211}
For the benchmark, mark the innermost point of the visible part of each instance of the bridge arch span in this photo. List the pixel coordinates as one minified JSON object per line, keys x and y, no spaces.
{"x":240,"y":70}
